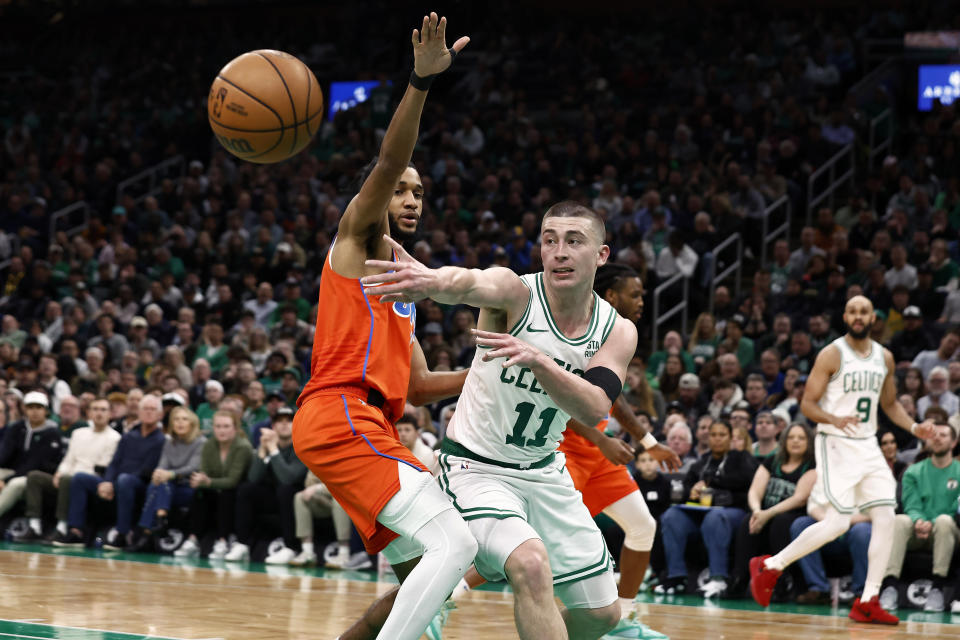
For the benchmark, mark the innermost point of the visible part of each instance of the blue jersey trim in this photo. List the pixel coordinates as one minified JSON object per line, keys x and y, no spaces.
{"x":346,"y":412}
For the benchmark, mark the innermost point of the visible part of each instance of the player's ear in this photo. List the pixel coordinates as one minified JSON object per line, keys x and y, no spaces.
{"x":603,"y":255}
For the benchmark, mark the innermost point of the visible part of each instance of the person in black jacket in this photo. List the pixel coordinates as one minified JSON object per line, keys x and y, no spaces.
{"x":27,"y":445}
{"x":274,"y":477}
{"x":655,"y":488}
{"x":725,"y":475}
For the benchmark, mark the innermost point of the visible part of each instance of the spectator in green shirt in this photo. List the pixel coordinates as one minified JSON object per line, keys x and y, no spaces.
{"x":291,"y":297}
{"x":205,"y":412}
{"x":930,"y":492}
{"x":945,"y":270}
{"x":672,"y":343}
{"x":212,"y":348}
{"x":272,"y":378}
{"x":739,"y":343}
{"x":255,"y":411}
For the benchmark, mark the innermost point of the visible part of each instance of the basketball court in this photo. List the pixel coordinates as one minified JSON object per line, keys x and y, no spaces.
{"x":48,"y":593}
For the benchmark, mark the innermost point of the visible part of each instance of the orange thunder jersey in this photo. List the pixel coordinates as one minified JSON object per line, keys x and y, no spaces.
{"x":360,"y":341}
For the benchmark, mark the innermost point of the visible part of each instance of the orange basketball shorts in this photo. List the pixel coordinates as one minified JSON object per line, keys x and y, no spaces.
{"x":600,"y":481}
{"x":354,"y":450}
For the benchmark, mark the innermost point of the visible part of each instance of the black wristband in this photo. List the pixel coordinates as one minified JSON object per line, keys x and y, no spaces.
{"x":423,"y":84}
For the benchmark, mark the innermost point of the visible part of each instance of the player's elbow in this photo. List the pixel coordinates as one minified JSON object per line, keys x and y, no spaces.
{"x":596,"y":410}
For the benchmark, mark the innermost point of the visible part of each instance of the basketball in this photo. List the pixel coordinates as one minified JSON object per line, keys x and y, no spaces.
{"x":264,"y":106}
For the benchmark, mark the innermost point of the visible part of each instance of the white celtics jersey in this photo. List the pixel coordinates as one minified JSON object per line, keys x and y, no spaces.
{"x":503,"y":414}
{"x":855,"y":389}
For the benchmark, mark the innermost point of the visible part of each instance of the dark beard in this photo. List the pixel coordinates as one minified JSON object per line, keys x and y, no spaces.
{"x":860,"y":335}
{"x":404,"y":238}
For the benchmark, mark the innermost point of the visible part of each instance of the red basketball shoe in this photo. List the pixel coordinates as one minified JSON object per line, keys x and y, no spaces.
{"x":762,"y":580}
{"x":871,"y":611}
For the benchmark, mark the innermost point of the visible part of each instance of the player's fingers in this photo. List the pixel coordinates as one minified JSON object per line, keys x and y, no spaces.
{"x":460,"y":43}
{"x":380,"y":264}
{"x":480,"y":333}
{"x":378,"y":278}
{"x":396,"y":246}
{"x":415,"y":37}
{"x":425,"y":30}
{"x":442,"y":30}
{"x":434,"y":23}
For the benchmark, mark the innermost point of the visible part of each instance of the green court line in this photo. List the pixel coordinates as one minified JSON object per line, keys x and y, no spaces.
{"x":37,"y":631}
{"x":687,"y":600}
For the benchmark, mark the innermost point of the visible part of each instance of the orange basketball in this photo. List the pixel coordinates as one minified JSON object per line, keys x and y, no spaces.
{"x":265,"y":106}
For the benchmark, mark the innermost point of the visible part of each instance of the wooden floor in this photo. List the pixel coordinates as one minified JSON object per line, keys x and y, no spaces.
{"x":188,"y":602}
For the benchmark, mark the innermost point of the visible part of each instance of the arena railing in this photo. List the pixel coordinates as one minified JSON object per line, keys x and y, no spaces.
{"x":153,"y":176}
{"x":769,"y":235}
{"x":70,"y":212}
{"x":840,"y":169}
{"x":735,"y":267}
{"x":680,"y":307}
{"x":881,"y":136}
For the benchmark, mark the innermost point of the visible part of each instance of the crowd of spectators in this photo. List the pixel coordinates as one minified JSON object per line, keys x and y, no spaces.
{"x":159,"y":352}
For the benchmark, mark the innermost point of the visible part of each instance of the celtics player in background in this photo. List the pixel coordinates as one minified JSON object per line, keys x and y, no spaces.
{"x":549,"y":349}
{"x":851,"y":377}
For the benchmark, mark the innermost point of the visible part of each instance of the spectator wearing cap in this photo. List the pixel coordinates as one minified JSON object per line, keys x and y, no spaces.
{"x":938,"y":393}
{"x":291,"y":385}
{"x":912,"y":339}
{"x":274,"y":477}
{"x":90,"y":450}
{"x":263,"y":305}
{"x":115,"y":343}
{"x":29,"y":444}
{"x":939,"y":357}
{"x":689,"y":397}
{"x":213,"y":394}
{"x":47,"y":379}
{"x":125,"y":478}
{"x":139,"y":338}
{"x":272,"y":378}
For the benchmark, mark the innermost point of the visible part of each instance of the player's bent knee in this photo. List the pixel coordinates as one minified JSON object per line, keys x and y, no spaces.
{"x":528,"y":568}
{"x":593,"y":623}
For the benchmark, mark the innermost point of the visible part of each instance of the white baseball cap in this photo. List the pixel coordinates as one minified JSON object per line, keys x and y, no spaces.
{"x":36,"y":397}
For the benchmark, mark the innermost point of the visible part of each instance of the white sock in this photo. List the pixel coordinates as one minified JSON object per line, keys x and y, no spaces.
{"x":36,"y":526}
{"x":307,"y":547}
{"x":878,"y":553}
{"x":626,"y":607}
{"x":460,"y":590}
{"x":62,"y":527}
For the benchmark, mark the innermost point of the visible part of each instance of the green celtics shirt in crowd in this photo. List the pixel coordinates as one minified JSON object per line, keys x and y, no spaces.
{"x":504,"y":414}
{"x":929,"y":492}
{"x":205,"y":414}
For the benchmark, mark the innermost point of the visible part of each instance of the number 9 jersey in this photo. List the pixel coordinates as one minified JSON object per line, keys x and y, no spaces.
{"x":504,"y":414}
{"x":854,"y":390}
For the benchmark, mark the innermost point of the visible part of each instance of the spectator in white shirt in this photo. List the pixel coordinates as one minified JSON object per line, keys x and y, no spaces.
{"x":800,"y":257}
{"x":900,"y":272}
{"x":939,"y":357}
{"x":676,"y":257}
{"x":263,"y":305}
{"x":469,"y":138}
{"x":938,"y":394}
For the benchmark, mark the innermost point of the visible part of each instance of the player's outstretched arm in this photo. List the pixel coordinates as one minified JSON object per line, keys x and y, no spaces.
{"x":827,"y":363}
{"x":894,"y":410}
{"x":587,"y":398}
{"x":614,"y":449}
{"x":430,"y":386}
{"x":623,"y":413}
{"x":365,"y":215}
{"x":408,"y":280}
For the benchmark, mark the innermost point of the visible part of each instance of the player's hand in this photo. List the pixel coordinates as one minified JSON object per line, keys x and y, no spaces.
{"x":925,"y":429}
{"x":848,"y":424}
{"x":667,"y":458}
{"x":430,"y":54}
{"x":407,"y":280}
{"x":504,"y":345}
{"x":615,"y":450}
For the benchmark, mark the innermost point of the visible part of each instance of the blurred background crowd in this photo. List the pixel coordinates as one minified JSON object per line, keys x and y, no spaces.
{"x":180,"y":315}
